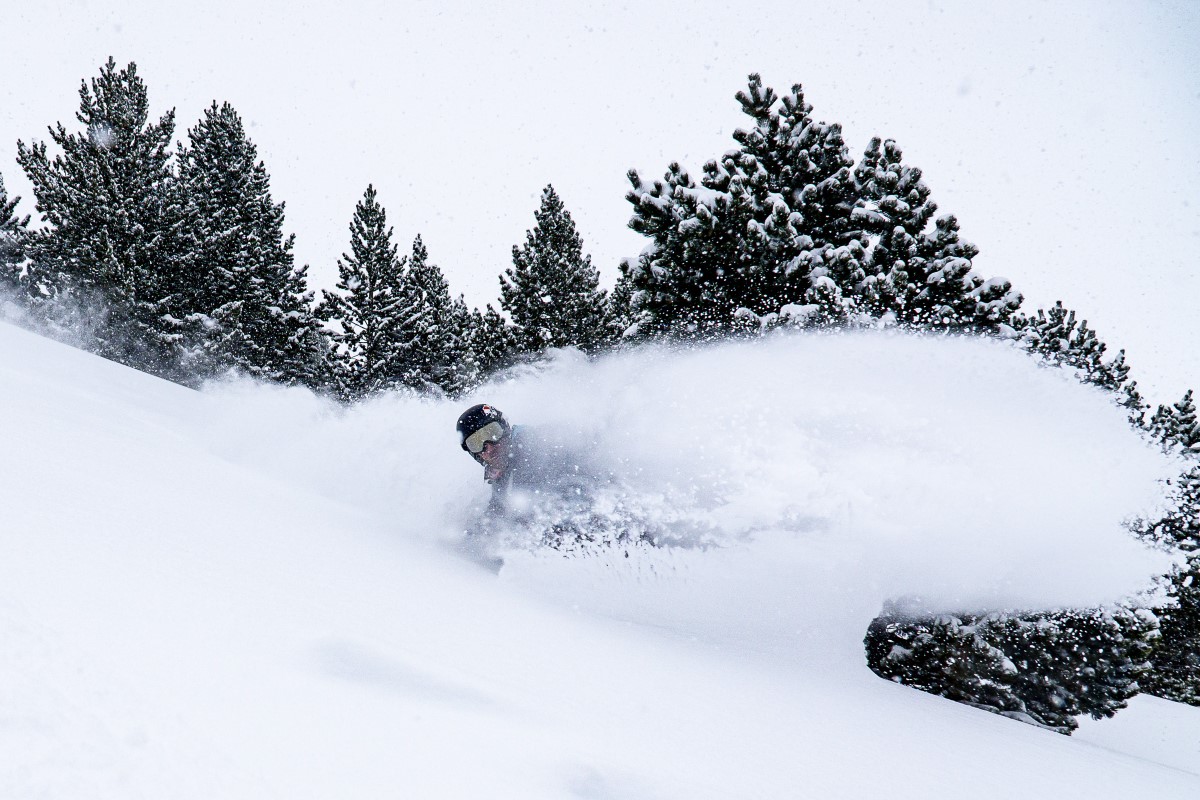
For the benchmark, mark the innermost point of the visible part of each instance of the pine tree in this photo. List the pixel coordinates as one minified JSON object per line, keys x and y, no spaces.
{"x":302,"y":351}
{"x":1058,"y":339}
{"x":462,"y":369}
{"x":1045,"y":668}
{"x":922,"y":277}
{"x":1116,"y":378}
{"x":684,"y":281}
{"x":943,"y":655}
{"x":106,"y":202}
{"x":1175,"y":426}
{"x":741,"y":245}
{"x":1179,"y":527}
{"x":247,"y":302}
{"x":366,"y":307}
{"x":1175,"y":672}
{"x":620,"y":305}
{"x":491,"y":343}
{"x":13,"y":232}
{"x":1075,"y":662}
{"x":551,"y":291}
{"x":781,"y":231}
{"x":432,"y":328}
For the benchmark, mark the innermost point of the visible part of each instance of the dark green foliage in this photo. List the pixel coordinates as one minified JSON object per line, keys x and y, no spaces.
{"x":942,"y":655}
{"x":1129,"y":396}
{"x":1175,"y":426}
{"x":246,"y":302}
{"x":109,"y":237}
{"x":551,"y":291}
{"x":732,"y":242}
{"x":1045,"y":668}
{"x":399,"y":325}
{"x":1176,"y":429}
{"x":683,"y":284}
{"x":782,"y":231}
{"x":1058,"y":339}
{"x":1179,"y":528}
{"x":296,"y":344}
{"x":922,"y":277}
{"x":1176,"y":661}
{"x":367,"y":305}
{"x":13,"y":232}
{"x":491,"y":342}
{"x":1076,"y":662}
{"x":620,"y":299}
{"x":432,"y":329}
{"x":1174,"y":666}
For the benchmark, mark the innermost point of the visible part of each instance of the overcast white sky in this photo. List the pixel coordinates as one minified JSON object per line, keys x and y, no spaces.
{"x":1061,"y":134}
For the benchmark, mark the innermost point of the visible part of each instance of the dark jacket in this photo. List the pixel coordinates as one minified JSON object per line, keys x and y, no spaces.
{"x":541,"y":475}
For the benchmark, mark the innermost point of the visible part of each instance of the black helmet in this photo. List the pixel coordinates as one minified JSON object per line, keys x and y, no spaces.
{"x":481,"y":424}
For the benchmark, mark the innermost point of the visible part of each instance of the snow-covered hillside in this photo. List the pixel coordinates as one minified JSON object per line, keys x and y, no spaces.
{"x":246,"y":592}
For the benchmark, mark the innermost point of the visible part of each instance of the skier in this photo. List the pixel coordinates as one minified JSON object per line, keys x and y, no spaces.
{"x":525,"y":470}
{"x":542,"y":488}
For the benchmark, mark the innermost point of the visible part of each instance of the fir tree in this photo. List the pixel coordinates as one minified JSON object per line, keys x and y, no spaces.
{"x":462,"y":370}
{"x":782,"y":231}
{"x":1175,"y":426}
{"x":1117,"y":378}
{"x":106,"y":202}
{"x":301,"y":352}
{"x":432,"y":328}
{"x":942,"y":655}
{"x":1175,"y":670}
{"x":1072,"y":663}
{"x":1179,"y":527}
{"x":367,"y":304}
{"x":923,"y":277}
{"x":748,"y":235}
{"x":1044,"y":668}
{"x":620,"y":305}
{"x":1058,"y":339}
{"x":682,"y":282}
{"x":491,"y":343}
{"x":551,"y":291}
{"x":13,"y":231}
{"x":246,"y":300}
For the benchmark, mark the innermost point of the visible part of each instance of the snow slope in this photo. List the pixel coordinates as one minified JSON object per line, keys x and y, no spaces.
{"x":247,"y":593}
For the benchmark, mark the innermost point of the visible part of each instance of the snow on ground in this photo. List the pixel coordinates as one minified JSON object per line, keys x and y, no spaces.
{"x":246,"y":592}
{"x":1151,"y":728}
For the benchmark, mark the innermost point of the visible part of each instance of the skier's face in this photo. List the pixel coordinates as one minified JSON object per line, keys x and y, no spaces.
{"x":494,"y":457}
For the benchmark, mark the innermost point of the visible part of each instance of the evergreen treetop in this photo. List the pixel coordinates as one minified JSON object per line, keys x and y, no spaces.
{"x":620,"y":304}
{"x":551,"y":291}
{"x":103,"y":196}
{"x":491,"y":342}
{"x":367,"y":303}
{"x":1060,"y":339}
{"x":432,"y":328}
{"x":1176,"y":425}
{"x":1046,"y":668}
{"x":13,"y":230}
{"x":241,"y":282}
{"x":1176,"y":658}
{"x":783,"y":230}
{"x":110,"y":227}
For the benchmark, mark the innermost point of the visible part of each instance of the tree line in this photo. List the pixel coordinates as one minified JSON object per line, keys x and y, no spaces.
{"x":176,"y":262}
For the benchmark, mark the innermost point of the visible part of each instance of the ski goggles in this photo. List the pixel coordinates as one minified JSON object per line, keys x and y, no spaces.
{"x":492,"y":432}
